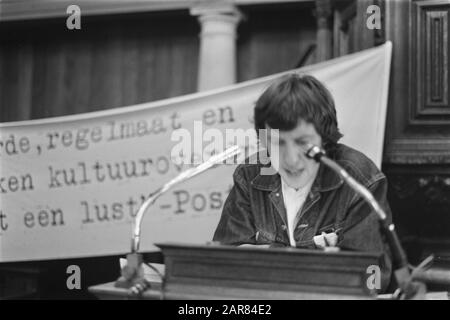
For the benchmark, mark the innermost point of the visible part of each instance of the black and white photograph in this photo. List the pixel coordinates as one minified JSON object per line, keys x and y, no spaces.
{"x":241,"y":151}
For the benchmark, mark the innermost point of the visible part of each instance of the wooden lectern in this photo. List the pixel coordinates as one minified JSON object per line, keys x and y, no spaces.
{"x":228,"y":272}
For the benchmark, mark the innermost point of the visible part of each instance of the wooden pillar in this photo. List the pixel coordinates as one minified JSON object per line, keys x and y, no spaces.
{"x":217,"y":60}
{"x":324,"y":36}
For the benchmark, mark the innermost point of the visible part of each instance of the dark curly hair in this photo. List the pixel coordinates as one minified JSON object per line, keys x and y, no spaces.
{"x":294,"y":97}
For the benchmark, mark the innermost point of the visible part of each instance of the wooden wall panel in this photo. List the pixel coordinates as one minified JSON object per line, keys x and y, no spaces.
{"x":274,"y":41}
{"x":431,"y":64}
{"x":48,"y":86}
{"x":417,"y":142}
{"x":48,"y":70}
{"x":15,"y":69}
{"x":24,"y":79}
{"x":130,"y":70}
{"x":79,"y":62}
{"x":106,"y":70}
{"x":418,"y":122}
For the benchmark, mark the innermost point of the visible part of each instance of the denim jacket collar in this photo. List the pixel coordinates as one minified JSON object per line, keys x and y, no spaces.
{"x":326,"y":180}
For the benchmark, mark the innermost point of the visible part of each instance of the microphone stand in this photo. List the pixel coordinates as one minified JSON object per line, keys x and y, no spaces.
{"x":132,"y":274}
{"x":409,"y":289}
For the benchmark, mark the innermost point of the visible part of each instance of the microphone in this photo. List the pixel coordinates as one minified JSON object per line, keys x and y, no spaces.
{"x":132,"y":275}
{"x":409,"y":289}
{"x":315,"y":152}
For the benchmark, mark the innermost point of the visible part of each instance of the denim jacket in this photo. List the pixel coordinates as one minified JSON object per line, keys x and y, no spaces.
{"x":254,"y":212}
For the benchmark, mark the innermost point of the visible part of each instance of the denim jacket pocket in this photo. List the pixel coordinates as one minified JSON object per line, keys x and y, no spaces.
{"x":333,"y":227}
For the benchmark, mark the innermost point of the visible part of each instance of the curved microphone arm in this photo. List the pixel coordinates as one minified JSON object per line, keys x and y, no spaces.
{"x":135,"y":241}
{"x":411,"y":283}
{"x":185,"y":175}
{"x":400,"y":261}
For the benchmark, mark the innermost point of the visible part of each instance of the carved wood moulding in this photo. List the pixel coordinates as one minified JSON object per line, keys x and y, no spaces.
{"x":430,"y":67}
{"x":418,"y":123}
{"x":432,"y":188}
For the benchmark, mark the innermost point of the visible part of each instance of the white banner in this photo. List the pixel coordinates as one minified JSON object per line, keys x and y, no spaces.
{"x":70,"y":186}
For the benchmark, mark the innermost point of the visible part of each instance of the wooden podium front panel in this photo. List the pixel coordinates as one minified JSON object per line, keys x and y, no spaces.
{"x":225,"y":272}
